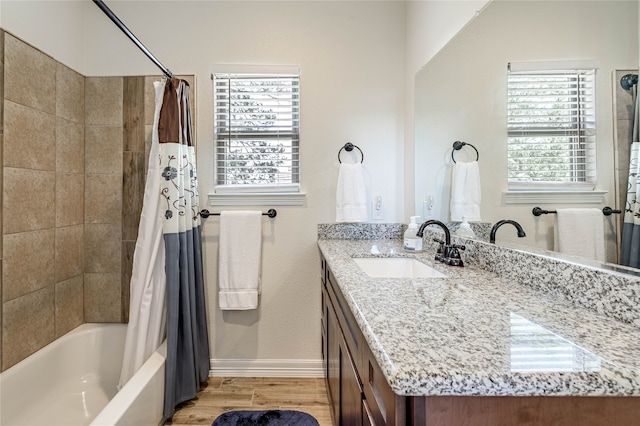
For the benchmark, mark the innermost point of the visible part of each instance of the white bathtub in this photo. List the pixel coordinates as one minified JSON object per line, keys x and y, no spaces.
{"x":72,"y":381}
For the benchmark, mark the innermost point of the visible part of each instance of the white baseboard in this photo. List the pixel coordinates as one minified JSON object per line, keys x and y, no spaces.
{"x":266,"y":368}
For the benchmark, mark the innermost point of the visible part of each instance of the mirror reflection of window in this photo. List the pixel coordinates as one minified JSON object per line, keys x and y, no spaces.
{"x":536,"y":349}
{"x":551,"y":129}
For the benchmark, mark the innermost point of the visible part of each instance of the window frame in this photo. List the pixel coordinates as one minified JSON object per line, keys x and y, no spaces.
{"x":225,"y":192}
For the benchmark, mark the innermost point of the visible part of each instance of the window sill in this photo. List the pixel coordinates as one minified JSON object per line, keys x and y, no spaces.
{"x":297,"y":199}
{"x":558,"y":197}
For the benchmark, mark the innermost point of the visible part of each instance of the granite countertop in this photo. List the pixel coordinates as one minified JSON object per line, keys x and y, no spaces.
{"x":474,"y":333}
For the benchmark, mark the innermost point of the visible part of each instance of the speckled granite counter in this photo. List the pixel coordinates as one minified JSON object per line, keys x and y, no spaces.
{"x":475,"y":333}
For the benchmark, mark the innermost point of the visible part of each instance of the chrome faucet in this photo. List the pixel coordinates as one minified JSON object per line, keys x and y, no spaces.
{"x":446,"y":253}
{"x":492,"y":235}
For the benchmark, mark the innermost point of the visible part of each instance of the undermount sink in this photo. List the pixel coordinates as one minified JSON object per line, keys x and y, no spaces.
{"x":396,"y":267}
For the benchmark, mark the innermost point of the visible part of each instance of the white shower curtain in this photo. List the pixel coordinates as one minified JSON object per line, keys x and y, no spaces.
{"x":146,"y":329}
{"x":630,"y":247}
{"x":167,"y":284}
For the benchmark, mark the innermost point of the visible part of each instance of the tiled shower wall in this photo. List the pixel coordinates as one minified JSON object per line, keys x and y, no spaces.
{"x":103,"y":199}
{"x":43,"y":200}
{"x":75,"y":151}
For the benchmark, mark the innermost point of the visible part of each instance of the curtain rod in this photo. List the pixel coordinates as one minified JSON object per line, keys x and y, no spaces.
{"x":628,"y":81}
{"x":133,"y":38}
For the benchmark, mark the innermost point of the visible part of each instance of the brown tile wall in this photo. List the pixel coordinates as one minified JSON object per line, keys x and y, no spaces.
{"x":134,"y":166}
{"x":75,"y":152}
{"x":42,"y":200}
{"x":1,"y":182}
{"x":103,"y":199}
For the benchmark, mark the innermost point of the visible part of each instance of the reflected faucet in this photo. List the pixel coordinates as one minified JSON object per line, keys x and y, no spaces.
{"x":492,"y":235}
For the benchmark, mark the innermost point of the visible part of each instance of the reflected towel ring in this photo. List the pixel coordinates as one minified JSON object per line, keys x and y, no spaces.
{"x":457,"y":145}
{"x":349,"y":147}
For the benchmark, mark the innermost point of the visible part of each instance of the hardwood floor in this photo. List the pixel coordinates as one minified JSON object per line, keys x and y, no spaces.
{"x":255,"y":393}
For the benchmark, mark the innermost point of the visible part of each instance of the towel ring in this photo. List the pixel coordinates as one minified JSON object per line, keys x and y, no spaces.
{"x":349,"y":147}
{"x":457,"y":145}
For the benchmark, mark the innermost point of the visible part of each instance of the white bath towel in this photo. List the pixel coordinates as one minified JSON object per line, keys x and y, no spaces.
{"x":239,"y":260}
{"x":580,"y":232}
{"x":465,"y":192}
{"x":351,"y":194}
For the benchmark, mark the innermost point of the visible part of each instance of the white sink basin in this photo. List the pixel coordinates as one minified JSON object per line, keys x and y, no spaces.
{"x":396,"y":267}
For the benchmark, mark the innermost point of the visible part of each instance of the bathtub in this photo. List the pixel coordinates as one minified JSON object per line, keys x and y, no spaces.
{"x":72,"y":381}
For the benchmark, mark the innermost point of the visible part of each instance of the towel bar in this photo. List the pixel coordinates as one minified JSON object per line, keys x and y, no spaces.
{"x":205,"y":213}
{"x":349,"y":147}
{"x":607,"y":211}
{"x":457,"y":146}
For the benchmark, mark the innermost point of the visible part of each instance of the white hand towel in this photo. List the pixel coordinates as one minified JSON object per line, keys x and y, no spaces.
{"x":465,"y":192}
{"x":239,"y":260}
{"x":351,"y":194}
{"x":580,"y":232}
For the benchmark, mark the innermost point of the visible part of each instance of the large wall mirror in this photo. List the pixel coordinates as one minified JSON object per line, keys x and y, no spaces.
{"x":461,"y":94}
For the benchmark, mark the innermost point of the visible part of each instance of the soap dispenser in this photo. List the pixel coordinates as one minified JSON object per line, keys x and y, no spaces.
{"x":464,"y":230}
{"x":411,"y":241}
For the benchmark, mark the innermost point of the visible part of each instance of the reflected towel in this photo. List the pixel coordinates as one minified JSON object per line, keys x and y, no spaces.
{"x":239,"y":260}
{"x":351,"y":194}
{"x":580,"y":232}
{"x":465,"y":192}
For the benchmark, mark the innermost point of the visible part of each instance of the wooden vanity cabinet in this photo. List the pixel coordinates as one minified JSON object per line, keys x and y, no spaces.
{"x":360,"y":395}
{"x":358,"y":392}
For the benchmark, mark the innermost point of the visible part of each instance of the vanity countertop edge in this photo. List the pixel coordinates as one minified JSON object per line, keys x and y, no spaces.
{"x":455,"y":335}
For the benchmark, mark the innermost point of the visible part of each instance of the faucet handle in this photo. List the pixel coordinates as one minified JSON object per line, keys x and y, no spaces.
{"x":440,"y":255}
{"x":454,"y":258}
{"x":458,"y":246}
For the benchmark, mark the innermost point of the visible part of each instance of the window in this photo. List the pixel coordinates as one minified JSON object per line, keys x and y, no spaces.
{"x":256,"y":131}
{"x":551,"y":130}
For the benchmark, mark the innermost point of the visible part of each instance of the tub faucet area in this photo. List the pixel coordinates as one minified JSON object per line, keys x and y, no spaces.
{"x":492,"y":235}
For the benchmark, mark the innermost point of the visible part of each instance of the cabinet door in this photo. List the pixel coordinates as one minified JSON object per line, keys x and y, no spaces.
{"x":350,"y":391}
{"x":367,"y":417}
{"x":323,"y":328}
{"x":333,"y":364}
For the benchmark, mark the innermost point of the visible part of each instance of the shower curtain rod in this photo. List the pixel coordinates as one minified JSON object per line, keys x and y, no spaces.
{"x":628,"y":81}
{"x":133,"y":38}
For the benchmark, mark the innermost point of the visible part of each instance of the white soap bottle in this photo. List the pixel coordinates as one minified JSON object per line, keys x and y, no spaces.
{"x":464,"y":230}
{"x":412,"y":242}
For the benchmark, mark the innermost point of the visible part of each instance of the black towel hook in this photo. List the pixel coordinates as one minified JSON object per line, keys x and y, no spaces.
{"x":349,"y":147}
{"x":457,"y":145}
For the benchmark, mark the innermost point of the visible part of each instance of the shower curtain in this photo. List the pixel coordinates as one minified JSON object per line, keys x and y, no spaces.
{"x":630,"y":246}
{"x":167,"y":284}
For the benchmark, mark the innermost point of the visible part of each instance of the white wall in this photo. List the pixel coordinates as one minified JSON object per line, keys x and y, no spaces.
{"x":461,"y":94}
{"x":351,"y":59}
{"x":429,"y":25}
{"x":55,"y":27}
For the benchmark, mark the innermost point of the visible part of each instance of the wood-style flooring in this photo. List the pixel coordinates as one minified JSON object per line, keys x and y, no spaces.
{"x":255,"y":393}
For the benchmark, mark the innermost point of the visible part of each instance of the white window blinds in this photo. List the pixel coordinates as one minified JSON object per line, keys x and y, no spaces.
{"x":256,"y":130}
{"x":551,"y":129}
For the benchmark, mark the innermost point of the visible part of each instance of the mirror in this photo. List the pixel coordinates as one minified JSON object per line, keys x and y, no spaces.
{"x":460,"y":94}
